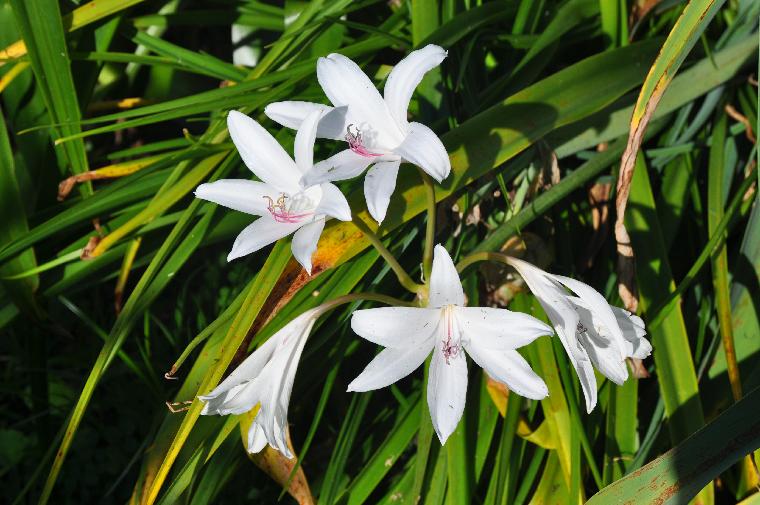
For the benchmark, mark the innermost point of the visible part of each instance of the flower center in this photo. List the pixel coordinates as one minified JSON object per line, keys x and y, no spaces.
{"x":451,"y":342}
{"x":293,"y":212}
{"x":355,"y":142}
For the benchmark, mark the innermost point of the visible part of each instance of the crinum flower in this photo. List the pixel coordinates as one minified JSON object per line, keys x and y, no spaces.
{"x":284,"y":203}
{"x":375,"y":127}
{"x":593,"y":333}
{"x":448,"y":329}
{"x":265,"y":378}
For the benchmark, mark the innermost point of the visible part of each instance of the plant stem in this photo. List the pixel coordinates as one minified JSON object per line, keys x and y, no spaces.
{"x":481,"y":256}
{"x":403,"y":277}
{"x":356,"y":297}
{"x":427,"y":258}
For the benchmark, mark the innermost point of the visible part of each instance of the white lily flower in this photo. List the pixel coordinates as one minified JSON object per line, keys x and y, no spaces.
{"x":265,"y":378}
{"x":285,"y":205}
{"x":375,"y":127}
{"x":448,"y":328}
{"x":593,"y":333}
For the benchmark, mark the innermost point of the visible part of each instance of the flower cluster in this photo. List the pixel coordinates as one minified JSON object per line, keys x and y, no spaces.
{"x":296,"y":196}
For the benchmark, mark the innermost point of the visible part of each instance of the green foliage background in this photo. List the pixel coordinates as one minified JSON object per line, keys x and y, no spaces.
{"x":534,"y":104}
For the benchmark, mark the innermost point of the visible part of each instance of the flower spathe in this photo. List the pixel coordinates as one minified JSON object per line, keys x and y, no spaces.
{"x":593,"y":333}
{"x":284,"y":203}
{"x":375,"y":127}
{"x":448,"y":329}
{"x":265,"y":378}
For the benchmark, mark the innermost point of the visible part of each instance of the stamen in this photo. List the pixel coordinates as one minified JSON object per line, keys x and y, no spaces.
{"x":355,"y":143}
{"x":280,"y":211}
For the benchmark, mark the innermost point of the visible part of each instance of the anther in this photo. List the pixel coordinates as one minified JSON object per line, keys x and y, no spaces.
{"x":177,"y":407}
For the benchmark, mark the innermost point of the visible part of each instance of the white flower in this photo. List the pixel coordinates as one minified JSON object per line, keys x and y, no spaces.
{"x":375,"y":127}
{"x":448,"y":328}
{"x":265,"y":378}
{"x":591,"y":331}
{"x":283,"y":202}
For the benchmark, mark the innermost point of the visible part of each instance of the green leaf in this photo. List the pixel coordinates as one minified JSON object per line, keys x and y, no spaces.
{"x":679,"y":474}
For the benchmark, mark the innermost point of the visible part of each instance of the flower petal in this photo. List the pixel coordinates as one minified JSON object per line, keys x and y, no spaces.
{"x":396,"y":327}
{"x":256,"y":438}
{"x":305,"y":242}
{"x":445,"y":286}
{"x":344,"y":165}
{"x":446,"y":392}
{"x":291,"y":114}
{"x":636,"y":346}
{"x":303,"y":147}
{"x":406,"y":76}
{"x":564,"y":317}
{"x":596,"y":339}
{"x":499,"y":329}
{"x":333,"y":203}
{"x":391,"y":365}
{"x":237,"y":194}
{"x":585,"y":371}
{"x":510,"y":368}
{"x":599,"y":307}
{"x":379,"y":184}
{"x":258,"y":234}
{"x":246,"y":371}
{"x":423,"y":148}
{"x":262,"y":154}
{"x":345,"y":83}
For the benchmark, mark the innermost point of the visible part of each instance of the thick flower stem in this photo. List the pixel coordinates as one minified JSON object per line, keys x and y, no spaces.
{"x":367,"y":297}
{"x":403,"y":277}
{"x":482,"y":256}
{"x":427,"y":258}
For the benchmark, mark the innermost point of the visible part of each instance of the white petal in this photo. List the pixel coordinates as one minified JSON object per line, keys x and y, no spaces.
{"x":423,"y":148}
{"x":345,"y":83}
{"x":291,"y":114}
{"x":396,"y":327}
{"x":636,"y":346}
{"x":344,"y":165}
{"x":510,"y":368}
{"x":305,"y":242}
{"x":262,"y":154}
{"x":379,"y":184}
{"x":333,"y":203}
{"x":599,"y":307}
{"x":406,"y":76}
{"x":391,"y":365}
{"x":246,"y":371}
{"x":303,"y":147}
{"x":604,"y":356}
{"x":585,"y":371}
{"x":215,"y":403}
{"x":256,"y":438}
{"x":446,"y":392}
{"x":239,"y":399}
{"x":445,"y":286}
{"x":237,"y":194}
{"x":258,"y":234}
{"x":564,"y":317}
{"x":499,"y":329}
{"x":598,"y":343}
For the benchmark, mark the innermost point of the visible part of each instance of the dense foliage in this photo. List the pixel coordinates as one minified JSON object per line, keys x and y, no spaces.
{"x":117,"y":300}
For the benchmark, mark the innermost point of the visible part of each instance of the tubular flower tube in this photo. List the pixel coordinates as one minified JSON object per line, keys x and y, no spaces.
{"x":265,"y":378}
{"x":593,"y":333}
{"x":375,"y":127}
{"x":448,"y":329}
{"x":284,"y":203}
